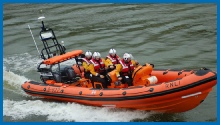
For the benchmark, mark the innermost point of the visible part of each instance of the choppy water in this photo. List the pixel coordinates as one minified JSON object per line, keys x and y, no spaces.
{"x":167,"y":35}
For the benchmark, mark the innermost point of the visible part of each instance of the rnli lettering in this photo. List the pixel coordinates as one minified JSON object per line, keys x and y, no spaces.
{"x":172,"y":84}
{"x":53,"y":89}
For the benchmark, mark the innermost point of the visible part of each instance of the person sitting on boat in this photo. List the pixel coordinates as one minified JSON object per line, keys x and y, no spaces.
{"x":111,"y":60}
{"x":86,"y":62}
{"x":125,"y":69}
{"x":97,"y":69}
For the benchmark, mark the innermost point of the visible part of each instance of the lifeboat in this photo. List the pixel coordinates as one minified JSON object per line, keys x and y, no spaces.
{"x":174,"y":91}
{"x":160,"y":90}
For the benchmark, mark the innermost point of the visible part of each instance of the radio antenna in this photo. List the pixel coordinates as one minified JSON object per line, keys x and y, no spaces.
{"x":34,"y":40}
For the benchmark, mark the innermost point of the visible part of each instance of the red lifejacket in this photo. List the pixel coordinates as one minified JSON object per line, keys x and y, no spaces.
{"x":125,"y":67}
{"x":114,"y":60}
{"x":98,"y":65}
{"x":86,"y":60}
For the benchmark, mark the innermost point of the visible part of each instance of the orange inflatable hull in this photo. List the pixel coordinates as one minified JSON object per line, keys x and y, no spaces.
{"x":175,"y":91}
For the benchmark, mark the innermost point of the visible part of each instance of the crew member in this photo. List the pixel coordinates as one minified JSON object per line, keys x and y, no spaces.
{"x":97,"y":69}
{"x":111,"y":60}
{"x":86,"y":62}
{"x":125,"y":69}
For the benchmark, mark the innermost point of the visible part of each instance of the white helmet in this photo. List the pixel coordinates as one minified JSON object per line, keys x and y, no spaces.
{"x":126,"y":56}
{"x":88,"y":53}
{"x":112,"y":51}
{"x":96,"y":54}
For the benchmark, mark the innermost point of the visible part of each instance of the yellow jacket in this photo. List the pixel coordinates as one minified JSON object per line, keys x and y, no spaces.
{"x":108,"y":62}
{"x":92,"y":69}
{"x":85,"y":66}
{"x":119,"y":67}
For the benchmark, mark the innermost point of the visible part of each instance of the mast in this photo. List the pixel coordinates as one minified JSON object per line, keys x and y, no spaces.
{"x":51,"y":45}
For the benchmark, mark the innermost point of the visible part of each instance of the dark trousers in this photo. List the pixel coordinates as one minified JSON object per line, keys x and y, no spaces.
{"x":109,"y":70}
{"x":87,"y":75}
{"x":101,"y":80}
{"x":127,"y":79}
